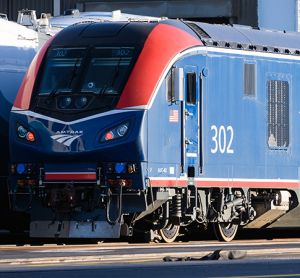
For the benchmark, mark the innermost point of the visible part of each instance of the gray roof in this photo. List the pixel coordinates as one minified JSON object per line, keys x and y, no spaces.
{"x":247,"y":37}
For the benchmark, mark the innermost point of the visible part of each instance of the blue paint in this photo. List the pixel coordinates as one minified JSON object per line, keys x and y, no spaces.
{"x":21,"y":168}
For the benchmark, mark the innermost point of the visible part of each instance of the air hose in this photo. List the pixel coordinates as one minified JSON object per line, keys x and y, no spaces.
{"x":108,"y":207}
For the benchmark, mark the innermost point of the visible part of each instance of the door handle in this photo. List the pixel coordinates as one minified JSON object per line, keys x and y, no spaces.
{"x":188,"y":142}
{"x":187,"y":113}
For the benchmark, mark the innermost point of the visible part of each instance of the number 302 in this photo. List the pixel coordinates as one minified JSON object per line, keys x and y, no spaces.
{"x":222,"y":139}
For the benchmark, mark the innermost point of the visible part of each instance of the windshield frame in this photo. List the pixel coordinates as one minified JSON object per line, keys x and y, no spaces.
{"x":48,"y":104}
{"x":79,"y":73}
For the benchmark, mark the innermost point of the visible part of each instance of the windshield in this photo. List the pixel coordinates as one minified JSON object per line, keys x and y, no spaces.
{"x":61,"y":69}
{"x":101,"y":70}
{"x":107,"y":69}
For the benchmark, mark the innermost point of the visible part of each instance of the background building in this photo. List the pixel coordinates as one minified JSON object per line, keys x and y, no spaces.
{"x":279,"y":14}
{"x":219,"y":11}
{"x":274,"y":14}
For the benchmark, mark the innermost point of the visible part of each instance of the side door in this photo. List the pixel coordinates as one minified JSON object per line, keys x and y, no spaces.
{"x":191,"y":117}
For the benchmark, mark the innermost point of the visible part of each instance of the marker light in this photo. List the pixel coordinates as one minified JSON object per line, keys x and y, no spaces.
{"x":21,"y":168}
{"x":23,"y":133}
{"x":120,"y":168}
{"x":30,"y":136}
{"x":115,"y":133}
{"x":120,"y":182}
{"x":109,"y":136}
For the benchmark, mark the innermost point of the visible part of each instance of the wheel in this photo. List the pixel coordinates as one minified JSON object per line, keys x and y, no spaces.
{"x":169,"y":234}
{"x":225,"y":231}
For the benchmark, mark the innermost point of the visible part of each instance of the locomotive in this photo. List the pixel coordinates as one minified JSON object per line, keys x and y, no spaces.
{"x":122,"y":127}
{"x":18,"y":46}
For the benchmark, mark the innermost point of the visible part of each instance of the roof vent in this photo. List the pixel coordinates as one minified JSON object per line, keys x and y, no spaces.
{"x":199,"y":31}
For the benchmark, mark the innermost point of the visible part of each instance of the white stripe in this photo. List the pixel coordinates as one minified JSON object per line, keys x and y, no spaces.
{"x":71,"y":140}
{"x":207,"y":49}
{"x":254,"y":53}
{"x":58,"y":136}
{"x":191,"y":154}
{"x":225,"y":179}
{"x":168,"y":178}
{"x":64,"y":138}
{"x":43,"y":117}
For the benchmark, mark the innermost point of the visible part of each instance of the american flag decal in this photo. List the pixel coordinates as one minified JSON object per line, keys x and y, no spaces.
{"x":173,"y":116}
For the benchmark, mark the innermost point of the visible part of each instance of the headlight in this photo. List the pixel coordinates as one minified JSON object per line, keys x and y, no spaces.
{"x":115,"y":133}
{"x":122,"y":130}
{"x":25,"y":134}
{"x":81,"y":102}
{"x":22,"y":131}
{"x":65,"y":102}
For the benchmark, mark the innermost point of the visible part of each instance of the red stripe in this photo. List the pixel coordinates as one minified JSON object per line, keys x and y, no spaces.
{"x":227,"y":183}
{"x":70,"y":176}
{"x":22,"y":100}
{"x":161,"y":46}
{"x":168,"y":183}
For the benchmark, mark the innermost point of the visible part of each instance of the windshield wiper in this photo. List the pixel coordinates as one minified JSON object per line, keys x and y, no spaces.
{"x":113,"y":79}
{"x":74,"y":73}
{"x":54,"y":93}
{"x":51,"y":96}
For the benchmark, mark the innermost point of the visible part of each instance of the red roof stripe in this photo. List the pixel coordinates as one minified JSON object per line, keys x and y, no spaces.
{"x":22,"y":100}
{"x":161,"y":46}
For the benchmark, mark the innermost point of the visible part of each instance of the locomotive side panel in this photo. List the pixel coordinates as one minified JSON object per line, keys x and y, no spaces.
{"x":236,"y":125}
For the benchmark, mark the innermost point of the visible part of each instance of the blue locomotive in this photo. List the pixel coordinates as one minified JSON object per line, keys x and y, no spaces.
{"x":152,"y":126}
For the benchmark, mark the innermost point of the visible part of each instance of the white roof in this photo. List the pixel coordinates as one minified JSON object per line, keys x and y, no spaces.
{"x":13,"y":34}
{"x":67,"y":20}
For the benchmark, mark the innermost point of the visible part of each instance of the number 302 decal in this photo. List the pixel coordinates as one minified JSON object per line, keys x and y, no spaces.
{"x":222,"y":139}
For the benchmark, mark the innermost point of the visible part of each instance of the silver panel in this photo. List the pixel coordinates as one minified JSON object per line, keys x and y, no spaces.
{"x":266,"y":218}
{"x":97,"y":229}
{"x":73,"y":229}
{"x":290,"y":220}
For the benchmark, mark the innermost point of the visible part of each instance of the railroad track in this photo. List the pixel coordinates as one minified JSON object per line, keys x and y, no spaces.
{"x":120,"y":252}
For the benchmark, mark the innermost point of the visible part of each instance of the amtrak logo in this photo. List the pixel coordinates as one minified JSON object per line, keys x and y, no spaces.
{"x":66,"y":137}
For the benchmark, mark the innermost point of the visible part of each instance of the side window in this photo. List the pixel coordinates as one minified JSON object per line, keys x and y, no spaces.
{"x":170,"y":86}
{"x":191,"y":88}
{"x":278,"y":114}
{"x":250,"y":80}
